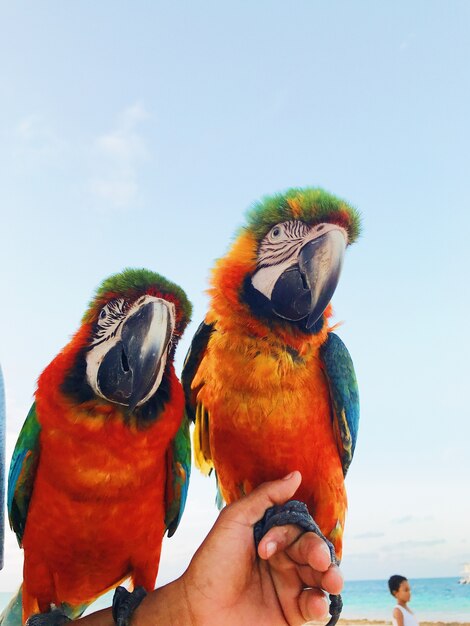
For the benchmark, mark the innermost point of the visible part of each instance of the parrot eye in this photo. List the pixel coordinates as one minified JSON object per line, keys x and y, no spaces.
{"x":111,"y":312}
{"x":109,"y":319}
{"x":103,"y":317}
{"x":276,"y":232}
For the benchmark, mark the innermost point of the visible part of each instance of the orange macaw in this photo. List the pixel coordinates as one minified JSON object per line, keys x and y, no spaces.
{"x":271,"y":388}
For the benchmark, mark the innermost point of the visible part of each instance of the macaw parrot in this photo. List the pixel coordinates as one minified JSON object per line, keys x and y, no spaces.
{"x":101,"y":466}
{"x":270,"y":387}
{"x":2,"y":466}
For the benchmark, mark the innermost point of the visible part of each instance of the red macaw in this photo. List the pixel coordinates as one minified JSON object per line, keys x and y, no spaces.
{"x":271,"y":388}
{"x":101,"y":466}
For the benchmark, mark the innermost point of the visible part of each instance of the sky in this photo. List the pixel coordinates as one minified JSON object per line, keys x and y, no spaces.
{"x":138,"y":134}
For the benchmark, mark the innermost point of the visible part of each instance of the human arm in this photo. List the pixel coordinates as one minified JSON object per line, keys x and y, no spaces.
{"x":398,"y":616}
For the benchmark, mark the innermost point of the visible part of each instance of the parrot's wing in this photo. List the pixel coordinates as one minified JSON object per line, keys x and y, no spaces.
{"x":178,"y":472}
{"x":344,"y":395}
{"x":22,"y":473}
{"x":193,"y":359}
{"x":196,"y":410}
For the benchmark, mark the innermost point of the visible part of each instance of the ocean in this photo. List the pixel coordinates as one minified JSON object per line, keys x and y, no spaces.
{"x":433,"y":599}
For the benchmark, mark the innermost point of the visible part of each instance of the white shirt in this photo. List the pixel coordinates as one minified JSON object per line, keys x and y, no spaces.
{"x":409,"y":619}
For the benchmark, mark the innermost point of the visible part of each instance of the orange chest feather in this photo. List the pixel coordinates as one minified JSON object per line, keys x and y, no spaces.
{"x":91,"y":455}
{"x":259,"y":392}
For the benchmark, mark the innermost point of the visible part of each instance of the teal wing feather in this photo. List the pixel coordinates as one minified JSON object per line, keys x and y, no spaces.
{"x":178,"y":473}
{"x":2,"y":466}
{"x":344,"y":393}
{"x":192,"y":361}
{"x":22,"y":473}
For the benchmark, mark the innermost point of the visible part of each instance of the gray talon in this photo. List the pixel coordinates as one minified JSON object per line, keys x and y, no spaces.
{"x":125,"y":603}
{"x":336,"y":606}
{"x":55,"y":617}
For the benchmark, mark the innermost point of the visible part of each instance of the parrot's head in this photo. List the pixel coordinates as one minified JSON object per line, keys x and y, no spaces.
{"x":125,"y":347}
{"x":286,"y":261}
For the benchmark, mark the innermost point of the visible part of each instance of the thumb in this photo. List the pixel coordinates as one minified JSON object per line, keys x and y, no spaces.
{"x":251,"y":508}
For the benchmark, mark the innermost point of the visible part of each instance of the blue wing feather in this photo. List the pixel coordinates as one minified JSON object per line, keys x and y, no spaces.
{"x":22,"y":473}
{"x":344,"y":395}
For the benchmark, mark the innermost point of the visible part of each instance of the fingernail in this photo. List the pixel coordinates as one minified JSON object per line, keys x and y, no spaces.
{"x":271,"y":548}
{"x":289,"y":476}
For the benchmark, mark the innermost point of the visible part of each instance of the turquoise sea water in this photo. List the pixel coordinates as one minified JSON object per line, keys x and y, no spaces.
{"x":433,"y":599}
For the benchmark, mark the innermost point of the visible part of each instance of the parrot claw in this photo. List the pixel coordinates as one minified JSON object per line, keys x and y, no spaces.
{"x":125,"y":603}
{"x":55,"y":617}
{"x":336,"y":606}
{"x":295,"y":512}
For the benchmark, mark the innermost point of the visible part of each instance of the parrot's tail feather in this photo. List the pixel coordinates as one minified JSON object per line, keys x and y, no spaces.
{"x":219,"y":498}
{"x":74,"y":612}
{"x":202,"y":450}
{"x":12,"y":614}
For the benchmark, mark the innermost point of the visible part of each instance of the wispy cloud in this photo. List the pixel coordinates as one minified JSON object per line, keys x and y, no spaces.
{"x":119,"y":153}
{"x":412,"y":544}
{"x":406,"y":519}
{"x":362,"y":556}
{"x":371,"y":535}
{"x":35,"y":137}
{"x":403,"y":520}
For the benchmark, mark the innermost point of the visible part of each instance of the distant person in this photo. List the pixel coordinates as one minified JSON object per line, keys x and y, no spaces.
{"x":401,"y":591}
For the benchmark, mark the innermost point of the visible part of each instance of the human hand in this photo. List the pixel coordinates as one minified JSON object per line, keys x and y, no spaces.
{"x":227,"y":584}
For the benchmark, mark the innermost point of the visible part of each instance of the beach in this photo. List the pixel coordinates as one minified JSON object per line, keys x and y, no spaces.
{"x":369,"y":622}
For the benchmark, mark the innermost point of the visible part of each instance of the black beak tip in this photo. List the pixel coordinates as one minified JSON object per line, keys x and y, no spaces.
{"x":312,"y":320}
{"x":132,"y":406}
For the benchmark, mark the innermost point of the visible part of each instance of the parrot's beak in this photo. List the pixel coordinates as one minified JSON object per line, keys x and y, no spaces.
{"x":132,"y":370}
{"x":305,"y":289}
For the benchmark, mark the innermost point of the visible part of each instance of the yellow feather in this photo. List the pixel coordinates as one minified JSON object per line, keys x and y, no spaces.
{"x":202,"y":448}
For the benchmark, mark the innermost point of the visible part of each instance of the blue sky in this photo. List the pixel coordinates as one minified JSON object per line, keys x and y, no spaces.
{"x":137,"y":134}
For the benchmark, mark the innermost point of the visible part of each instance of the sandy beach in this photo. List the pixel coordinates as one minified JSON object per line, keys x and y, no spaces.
{"x":367,"y":622}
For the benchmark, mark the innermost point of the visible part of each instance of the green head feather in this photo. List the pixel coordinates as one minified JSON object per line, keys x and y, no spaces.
{"x":310,"y":204}
{"x":131,"y":281}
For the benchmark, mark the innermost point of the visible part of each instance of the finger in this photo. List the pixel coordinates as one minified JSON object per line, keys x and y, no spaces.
{"x":288,"y":587}
{"x":313,"y":604}
{"x":330,"y":581}
{"x":277,"y":539}
{"x":298,"y":605}
{"x":311,"y":550}
{"x":287,"y":547}
{"x":303,"y":548}
{"x":252,"y":508}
